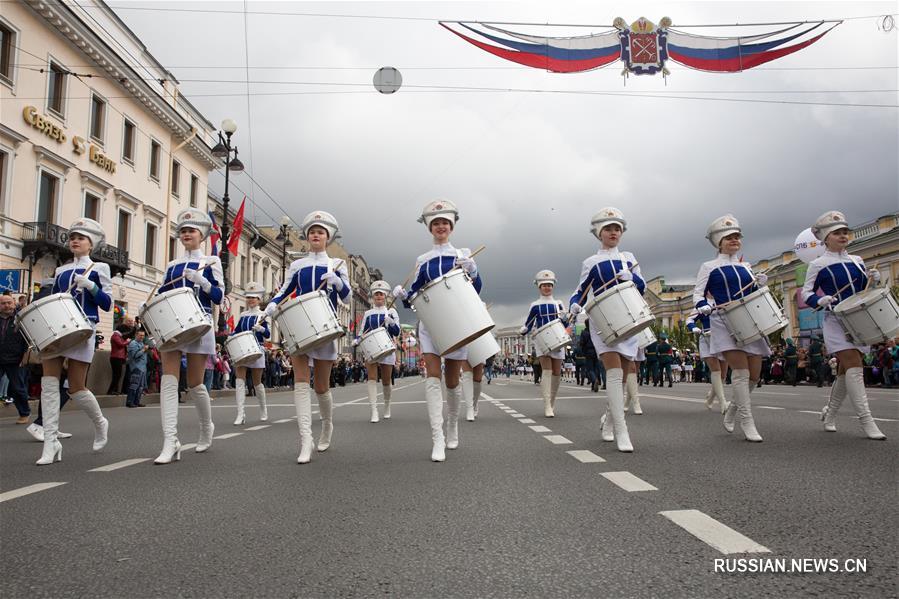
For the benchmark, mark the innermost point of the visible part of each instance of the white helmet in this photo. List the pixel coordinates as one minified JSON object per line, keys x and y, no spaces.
{"x":439,"y":209}
{"x":192,"y":218}
{"x":829,"y":222}
{"x":90,"y":229}
{"x":323,"y":219}
{"x":721,"y":227}
{"x":254,"y":289}
{"x":607,"y":216}
{"x":545,"y":276}
{"x":382,"y":286}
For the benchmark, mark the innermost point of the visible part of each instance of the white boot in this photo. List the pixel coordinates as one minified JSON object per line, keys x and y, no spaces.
{"x":615,"y":388}
{"x":855,"y":388}
{"x":168,"y":408}
{"x":263,"y":406}
{"x":633,"y":393}
{"x":325,"y":407}
{"x":85,"y":400}
{"x":546,"y":386}
{"x":434,"y":399}
{"x":373,"y":399}
{"x":741,"y":384}
{"x":52,"y":451}
{"x":555,"y":381}
{"x":467,"y":394}
{"x":240,"y":396}
{"x":202,"y":403}
{"x":837,"y":395}
{"x":475,"y":397}
{"x":608,"y":433}
{"x":37,"y":431}
{"x":718,"y":390}
{"x":302,"y":400}
{"x":453,"y":403}
{"x":710,"y":396}
{"x":387,"y":389}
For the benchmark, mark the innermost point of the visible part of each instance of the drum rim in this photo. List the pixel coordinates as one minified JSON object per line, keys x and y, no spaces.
{"x":608,"y":292}
{"x":862,"y":296}
{"x":454,"y":273}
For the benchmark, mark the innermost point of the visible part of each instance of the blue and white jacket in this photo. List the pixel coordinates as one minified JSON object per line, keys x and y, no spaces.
{"x":600,"y":268}
{"x":247,"y":320}
{"x":700,"y":320}
{"x":436,"y":263}
{"x":305,"y":276}
{"x":212,"y":272}
{"x":544,"y":311}
{"x":374,"y":318}
{"x":830,"y":273}
{"x":722,"y":279}
{"x":91,"y":303}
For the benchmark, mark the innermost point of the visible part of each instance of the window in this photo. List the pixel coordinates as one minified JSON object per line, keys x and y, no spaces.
{"x":124,"y":230}
{"x":4,"y":171}
{"x":98,"y":118}
{"x":173,"y":246}
{"x":150,"y":256}
{"x":56,"y":93}
{"x":154,"y":159}
{"x":243,"y":271}
{"x":176,"y":177}
{"x":255,"y":269}
{"x":49,"y":192}
{"x":7,"y":45}
{"x":194,"y":190}
{"x":128,"y":142}
{"x":92,"y":206}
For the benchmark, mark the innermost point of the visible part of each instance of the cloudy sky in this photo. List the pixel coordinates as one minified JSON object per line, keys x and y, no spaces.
{"x":528,"y":169}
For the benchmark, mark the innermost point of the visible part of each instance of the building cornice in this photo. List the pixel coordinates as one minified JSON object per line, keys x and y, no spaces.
{"x":16,"y":137}
{"x":103,"y":184}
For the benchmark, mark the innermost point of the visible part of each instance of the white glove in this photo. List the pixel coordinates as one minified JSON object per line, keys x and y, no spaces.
{"x":355,"y":341}
{"x":575,"y":309}
{"x":389,"y":319}
{"x":333,"y":280}
{"x":271,"y":309}
{"x":625,"y":275}
{"x":197,"y":278}
{"x":696,"y":330}
{"x":140,"y":308}
{"x":400,"y":293}
{"x":523,"y":330}
{"x":705,"y":310}
{"x":258,"y":328}
{"x":761,"y":279}
{"x":467,"y":264}
{"x":825,"y":300}
{"x":873,"y":274}
{"x":83,"y":282}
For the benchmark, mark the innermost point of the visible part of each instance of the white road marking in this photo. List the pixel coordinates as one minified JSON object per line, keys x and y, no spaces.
{"x":282,"y":421}
{"x":672,"y":397}
{"x":886,"y":420}
{"x":122,"y":464}
{"x":769,"y":408}
{"x":516,"y":415}
{"x":584,"y":456}
{"x":27,"y":491}
{"x":365,"y":398}
{"x":187,"y":446}
{"x":710,"y":531}
{"x":526,"y":420}
{"x":628,"y":481}
{"x":226,"y":436}
{"x":757,"y":392}
{"x":557,"y":439}
{"x":816,"y":413}
{"x":540,"y":429}
{"x":257,"y":428}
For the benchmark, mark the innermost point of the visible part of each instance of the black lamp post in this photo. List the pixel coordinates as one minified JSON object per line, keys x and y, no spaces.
{"x":284,"y":238}
{"x":223,"y":149}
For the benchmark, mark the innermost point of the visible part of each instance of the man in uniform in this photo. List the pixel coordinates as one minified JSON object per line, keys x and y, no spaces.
{"x":652,"y":362}
{"x":816,"y":360}
{"x":666,"y":357}
{"x":791,"y":362}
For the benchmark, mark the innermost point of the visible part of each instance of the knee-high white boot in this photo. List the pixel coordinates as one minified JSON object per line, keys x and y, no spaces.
{"x":434,"y":399}
{"x":263,"y":405}
{"x":453,"y":403}
{"x":607,"y":431}
{"x":718,"y":391}
{"x":325,"y":407}
{"x":240,"y":397}
{"x":302,"y":400}
{"x":168,"y":408}
{"x":475,"y":397}
{"x":633,"y":393}
{"x":387,"y":389}
{"x":52,"y":451}
{"x":554,"y":391}
{"x":710,"y":396}
{"x":467,"y":394}
{"x":546,"y":386}
{"x":615,"y":388}
{"x":373,"y":399}
{"x":740,"y":380}
{"x":203,"y":405}
{"x":855,"y":388}
{"x":837,"y":395}
{"x":86,"y":400}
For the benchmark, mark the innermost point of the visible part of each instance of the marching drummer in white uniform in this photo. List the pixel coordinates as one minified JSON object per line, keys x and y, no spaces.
{"x":440,"y":217}
{"x":204,"y":275}
{"x":92,"y":291}
{"x":701,"y":326}
{"x":542,"y":312}
{"x":722,"y":280}
{"x":380,"y":316}
{"x":252,"y":320}
{"x":304,"y":276}
{"x":606,"y":268}
{"x":839,"y":275}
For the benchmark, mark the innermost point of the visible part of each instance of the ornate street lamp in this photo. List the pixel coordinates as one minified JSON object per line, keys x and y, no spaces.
{"x":224,"y":150}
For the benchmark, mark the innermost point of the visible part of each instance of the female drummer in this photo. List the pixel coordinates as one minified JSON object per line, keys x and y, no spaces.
{"x":700,"y":325}
{"x":543,"y":311}
{"x":306,"y":275}
{"x":252,"y":320}
{"x":92,"y":291}
{"x":380,"y":316}
{"x":722,"y":280}
{"x":440,"y":217}
{"x":839,"y":275}
{"x":603,"y":270}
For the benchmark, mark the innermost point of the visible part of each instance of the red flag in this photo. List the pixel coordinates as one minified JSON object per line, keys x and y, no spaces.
{"x":231,"y":323}
{"x":234,"y":238}
{"x":215,"y":235}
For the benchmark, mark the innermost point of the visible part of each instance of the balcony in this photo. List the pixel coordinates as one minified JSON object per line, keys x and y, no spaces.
{"x":43,"y":239}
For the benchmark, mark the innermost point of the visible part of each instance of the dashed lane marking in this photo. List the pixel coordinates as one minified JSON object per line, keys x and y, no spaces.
{"x":540,"y":429}
{"x":886,"y":420}
{"x":816,"y":413}
{"x":526,"y":420}
{"x":225,"y":436}
{"x":585,"y":456}
{"x":122,"y":464}
{"x":714,"y":533}
{"x":768,"y":408}
{"x":282,"y":421}
{"x":258,"y":427}
{"x":557,"y":439}
{"x":628,"y":481}
{"x":516,"y":415}
{"x":27,"y":491}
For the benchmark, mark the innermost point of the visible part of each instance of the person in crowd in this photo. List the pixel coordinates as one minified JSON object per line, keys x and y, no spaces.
{"x":137,"y":366}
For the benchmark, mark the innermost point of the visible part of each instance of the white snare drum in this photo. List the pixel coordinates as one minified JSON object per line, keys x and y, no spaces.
{"x":376,"y":344}
{"x":243,"y":348}
{"x":550,"y":337}
{"x":753,"y":317}
{"x":870,"y":316}
{"x":175,"y":318}
{"x":307,"y":321}
{"x":482,"y":348}
{"x":619,"y":312}
{"x":645,"y":337}
{"x":54,"y":323}
{"x":452,"y":311}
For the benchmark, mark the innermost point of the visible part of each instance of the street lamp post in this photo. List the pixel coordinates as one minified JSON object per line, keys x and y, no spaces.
{"x":223,"y":149}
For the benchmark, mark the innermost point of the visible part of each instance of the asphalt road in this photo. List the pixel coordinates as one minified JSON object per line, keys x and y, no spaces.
{"x":511,"y":513}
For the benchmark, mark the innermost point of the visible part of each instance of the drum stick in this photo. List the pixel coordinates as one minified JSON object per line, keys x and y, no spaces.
{"x":323,"y":283}
{"x":740,"y":293}
{"x":201,"y":266}
{"x":603,"y":288}
{"x":871,"y":279}
{"x":406,"y":282}
{"x":85,"y":273}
